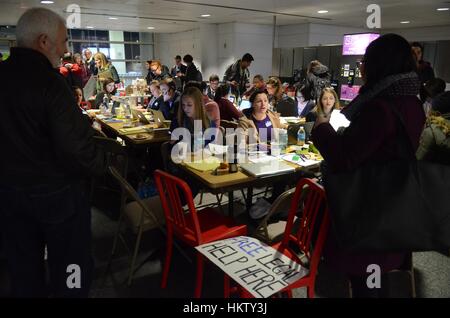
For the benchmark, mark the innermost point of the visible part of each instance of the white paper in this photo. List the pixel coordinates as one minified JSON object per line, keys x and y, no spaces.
{"x":294,"y":158}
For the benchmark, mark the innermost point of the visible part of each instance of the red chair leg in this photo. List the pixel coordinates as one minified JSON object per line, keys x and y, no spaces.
{"x":169,"y":249}
{"x":310,"y":291}
{"x":226,"y":286}
{"x":199,"y":276}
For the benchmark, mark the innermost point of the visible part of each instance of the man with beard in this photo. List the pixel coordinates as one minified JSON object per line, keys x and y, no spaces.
{"x":49,"y":151}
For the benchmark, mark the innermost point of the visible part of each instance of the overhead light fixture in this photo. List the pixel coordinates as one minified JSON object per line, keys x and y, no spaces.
{"x":151,"y":28}
{"x":205,"y":15}
{"x":443,"y":9}
{"x":322,"y":11}
{"x":89,"y":27}
{"x":47,"y":2}
{"x":112,"y":18}
{"x":404,"y":22}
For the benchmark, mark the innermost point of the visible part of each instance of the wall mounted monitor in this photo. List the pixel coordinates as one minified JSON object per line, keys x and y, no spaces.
{"x":356,"y":44}
{"x":348,"y":93}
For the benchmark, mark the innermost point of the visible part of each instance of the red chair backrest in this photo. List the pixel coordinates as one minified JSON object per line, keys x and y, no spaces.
{"x":186,"y":225}
{"x":315,"y":209}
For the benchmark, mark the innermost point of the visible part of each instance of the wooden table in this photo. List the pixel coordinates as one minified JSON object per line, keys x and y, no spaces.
{"x":240,"y":180}
{"x":136,"y":139}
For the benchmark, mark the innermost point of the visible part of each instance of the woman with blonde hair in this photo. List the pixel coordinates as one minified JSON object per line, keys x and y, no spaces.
{"x":105,"y":70}
{"x":327,"y":102}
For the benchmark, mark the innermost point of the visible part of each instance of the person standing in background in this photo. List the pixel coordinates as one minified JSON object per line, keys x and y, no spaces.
{"x":50,"y":153}
{"x":179,"y":68}
{"x":85,"y":71}
{"x":424,"y":69}
{"x":90,"y":62}
{"x":238,"y":75}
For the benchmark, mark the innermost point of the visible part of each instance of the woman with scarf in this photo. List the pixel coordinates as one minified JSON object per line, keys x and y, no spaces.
{"x":390,"y":81}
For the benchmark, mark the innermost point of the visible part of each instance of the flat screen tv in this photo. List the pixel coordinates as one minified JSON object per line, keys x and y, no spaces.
{"x":356,"y":44}
{"x":348,"y":93}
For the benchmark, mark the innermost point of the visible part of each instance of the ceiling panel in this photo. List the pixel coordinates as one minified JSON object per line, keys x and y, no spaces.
{"x":168,"y":16}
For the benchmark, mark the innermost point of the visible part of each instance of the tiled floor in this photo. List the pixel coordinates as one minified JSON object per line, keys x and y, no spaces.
{"x":432,"y":269}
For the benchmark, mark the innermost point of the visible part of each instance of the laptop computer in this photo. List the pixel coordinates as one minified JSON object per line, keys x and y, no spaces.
{"x":267,"y":168}
{"x":140,"y":115}
{"x":158,"y":118}
{"x":245,"y":104}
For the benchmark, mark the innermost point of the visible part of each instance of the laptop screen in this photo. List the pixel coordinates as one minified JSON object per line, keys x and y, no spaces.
{"x":245,"y":104}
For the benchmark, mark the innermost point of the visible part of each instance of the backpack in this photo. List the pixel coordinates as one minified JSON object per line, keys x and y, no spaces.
{"x":319,"y":83}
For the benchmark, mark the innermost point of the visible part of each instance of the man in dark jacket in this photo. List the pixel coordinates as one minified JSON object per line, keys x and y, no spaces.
{"x":238,"y":75}
{"x":179,"y":68}
{"x":48,"y":150}
{"x":192,"y":72}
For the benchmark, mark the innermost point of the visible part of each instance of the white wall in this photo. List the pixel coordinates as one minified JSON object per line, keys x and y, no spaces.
{"x":226,"y":46}
{"x":312,"y":34}
{"x":209,"y":50}
{"x":257,"y":40}
{"x":292,"y":35}
{"x":167,"y":46}
{"x":423,"y":34}
{"x":215,"y":47}
{"x":323,"y":34}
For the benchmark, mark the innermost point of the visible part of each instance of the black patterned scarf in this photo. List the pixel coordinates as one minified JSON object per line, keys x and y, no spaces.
{"x":406,"y":84}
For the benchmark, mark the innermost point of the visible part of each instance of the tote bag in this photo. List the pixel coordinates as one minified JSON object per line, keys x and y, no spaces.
{"x":403,"y":205}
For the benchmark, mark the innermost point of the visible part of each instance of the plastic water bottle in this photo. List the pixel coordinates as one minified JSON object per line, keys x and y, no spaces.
{"x":283,"y":136}
{"x":301,"y":136}
{"x":198,"y":142}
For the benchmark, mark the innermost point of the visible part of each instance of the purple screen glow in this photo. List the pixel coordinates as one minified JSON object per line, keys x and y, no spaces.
{"x":356,"y":44}
{"x":349,"y":93}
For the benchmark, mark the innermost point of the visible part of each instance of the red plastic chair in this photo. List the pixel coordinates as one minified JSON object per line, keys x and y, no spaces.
{"x":308,"y":238}
{"x":192,"y":227}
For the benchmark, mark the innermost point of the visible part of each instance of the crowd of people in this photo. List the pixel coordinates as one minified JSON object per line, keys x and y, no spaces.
{"x":51,"y":148}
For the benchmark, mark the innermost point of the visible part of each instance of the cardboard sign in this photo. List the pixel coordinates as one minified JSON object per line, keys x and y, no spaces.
{"x":257,"y":267}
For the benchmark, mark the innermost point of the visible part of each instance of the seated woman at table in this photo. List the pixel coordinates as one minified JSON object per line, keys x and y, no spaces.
{"x":79,"y":97}
{"x":157,"y":97}
{"x":259,"y":118}
{"x":191,"y":110}
{"x":78,"y":94}
{"x":326,"y":103}
{"x":109,"y":90}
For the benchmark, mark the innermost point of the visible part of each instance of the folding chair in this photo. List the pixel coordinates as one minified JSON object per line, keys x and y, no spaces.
{"x":141,"y":214}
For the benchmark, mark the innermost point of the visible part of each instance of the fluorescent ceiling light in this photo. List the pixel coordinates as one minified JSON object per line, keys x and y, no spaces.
{"x":205,"y":15}
{"x":151,"y":28}
{"x":47,"y":2}
{"x":112,"y":18}
{"x":404,"y":22}
{"x":322,"y":11}
{"x":443,"y":9}
{"x":89,"y":27}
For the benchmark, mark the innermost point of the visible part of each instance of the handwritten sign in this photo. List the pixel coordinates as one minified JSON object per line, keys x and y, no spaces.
{"x":257,"y":267}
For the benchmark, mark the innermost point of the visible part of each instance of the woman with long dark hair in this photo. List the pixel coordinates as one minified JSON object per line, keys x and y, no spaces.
{"x":390,"y":81}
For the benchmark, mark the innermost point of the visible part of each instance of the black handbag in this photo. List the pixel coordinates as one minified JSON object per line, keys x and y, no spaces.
{"x":402,"y":205}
